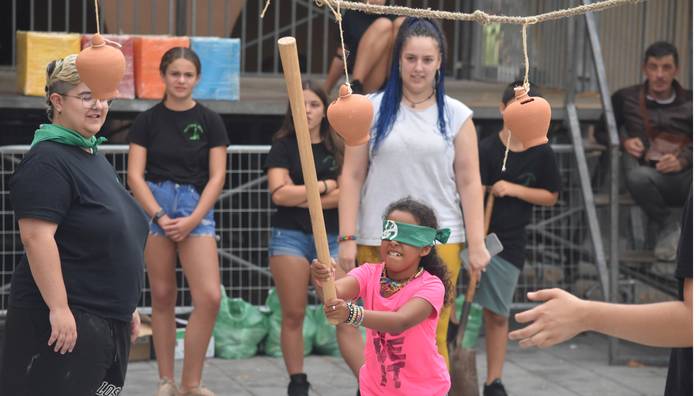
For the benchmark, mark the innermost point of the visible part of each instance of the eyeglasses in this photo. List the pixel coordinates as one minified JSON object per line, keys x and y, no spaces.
{"x":88,"y":101}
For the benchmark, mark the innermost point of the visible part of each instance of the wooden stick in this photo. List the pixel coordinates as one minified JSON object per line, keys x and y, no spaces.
{"x":290,"y":65}
{"x":488,"y":211}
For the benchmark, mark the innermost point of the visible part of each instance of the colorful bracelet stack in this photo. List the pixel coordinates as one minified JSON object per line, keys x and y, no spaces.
{"x":343,"y":238}
{"x":356,"y":314}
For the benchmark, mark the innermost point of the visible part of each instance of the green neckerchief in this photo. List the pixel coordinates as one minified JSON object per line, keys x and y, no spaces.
{"x":63,"y":135}
{"x":414,"y":235}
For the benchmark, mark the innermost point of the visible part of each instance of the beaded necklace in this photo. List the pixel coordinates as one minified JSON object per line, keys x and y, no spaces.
{"x":389,"y":287}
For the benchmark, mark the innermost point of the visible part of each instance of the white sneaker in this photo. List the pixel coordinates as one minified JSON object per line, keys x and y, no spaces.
{"x":667,"y":245}
{"x":166,"y":387}
{"x":197,"y":391}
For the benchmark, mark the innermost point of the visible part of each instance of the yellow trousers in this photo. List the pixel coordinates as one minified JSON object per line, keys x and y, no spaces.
{"x":449,"y":253}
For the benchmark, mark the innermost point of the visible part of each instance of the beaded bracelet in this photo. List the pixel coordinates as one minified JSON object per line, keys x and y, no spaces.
{"x":352,"y":314}
{"x":343,"y":238}
{"x":351,"y":310}
{"x":356,"y":315}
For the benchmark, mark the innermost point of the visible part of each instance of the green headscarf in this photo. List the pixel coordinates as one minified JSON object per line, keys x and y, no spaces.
{"x":414,"y":235}
{"x":63,"y":135}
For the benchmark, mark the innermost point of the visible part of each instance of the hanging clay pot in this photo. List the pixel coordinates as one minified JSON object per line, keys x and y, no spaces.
{"x":528,"y":118}
{"x":351,"y":116}
{"x":101,"y":67}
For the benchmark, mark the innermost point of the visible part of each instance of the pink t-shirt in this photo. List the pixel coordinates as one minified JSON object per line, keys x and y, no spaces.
{"x":407,"y":363}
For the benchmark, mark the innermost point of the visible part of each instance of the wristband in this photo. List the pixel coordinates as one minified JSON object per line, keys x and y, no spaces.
{"x":160,"y":213}
{"x":343,"y":238}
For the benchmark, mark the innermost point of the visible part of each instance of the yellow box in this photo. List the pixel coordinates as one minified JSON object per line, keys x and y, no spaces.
{"x":34,"y":52}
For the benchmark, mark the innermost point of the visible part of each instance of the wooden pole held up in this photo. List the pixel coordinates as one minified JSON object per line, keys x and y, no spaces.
{"x":292,"y":75}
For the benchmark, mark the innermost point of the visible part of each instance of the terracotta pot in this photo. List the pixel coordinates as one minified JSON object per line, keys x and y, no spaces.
{"x":101,"y":67}
{"x":528,"y":118}
{"x":351,"y":116}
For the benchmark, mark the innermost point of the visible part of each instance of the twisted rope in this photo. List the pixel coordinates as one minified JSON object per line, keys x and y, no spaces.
{"x":476,"y":16}
{"x":97,"y":15}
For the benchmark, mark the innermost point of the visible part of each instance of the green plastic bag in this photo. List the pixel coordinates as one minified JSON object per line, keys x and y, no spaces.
{"x":239,"y":328}
{"x":272,"y":345}
{"x":325,"y":342}
{"x":471,"y":333}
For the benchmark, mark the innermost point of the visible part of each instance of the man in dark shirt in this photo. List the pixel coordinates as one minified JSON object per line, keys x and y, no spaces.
{"x":655,"y":121}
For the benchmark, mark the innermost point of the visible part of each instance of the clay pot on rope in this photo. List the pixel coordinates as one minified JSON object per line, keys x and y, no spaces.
{"x":528,"y":118}
{"x":101,"y":67}
{"x":351,"y":116}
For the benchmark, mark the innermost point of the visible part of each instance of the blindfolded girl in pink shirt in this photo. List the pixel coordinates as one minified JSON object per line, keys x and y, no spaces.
{"x":402,"y":298}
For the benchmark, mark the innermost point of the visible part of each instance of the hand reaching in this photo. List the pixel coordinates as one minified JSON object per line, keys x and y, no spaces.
{"x":561,"y":317}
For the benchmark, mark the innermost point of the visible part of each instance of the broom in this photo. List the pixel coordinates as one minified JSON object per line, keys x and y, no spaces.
{"x":463,"y":360}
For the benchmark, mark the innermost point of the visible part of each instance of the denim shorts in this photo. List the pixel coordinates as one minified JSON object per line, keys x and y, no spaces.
{"x":285,"y":242}
{"x":180,"y":200}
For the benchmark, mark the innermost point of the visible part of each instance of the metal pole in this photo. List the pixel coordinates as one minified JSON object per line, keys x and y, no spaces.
{"x":614,"y":151}
{"x":576,"y":140}
{"x":14,"y":35}
{"x":181,"y":17}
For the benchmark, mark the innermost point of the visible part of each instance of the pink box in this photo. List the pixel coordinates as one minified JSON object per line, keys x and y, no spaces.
{"x":127,"y":85}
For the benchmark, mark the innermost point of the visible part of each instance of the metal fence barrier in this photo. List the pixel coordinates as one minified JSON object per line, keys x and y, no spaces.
{"x":556,"y":249}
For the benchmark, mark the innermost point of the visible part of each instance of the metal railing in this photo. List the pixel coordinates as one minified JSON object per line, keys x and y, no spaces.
{"x":556,"y":237}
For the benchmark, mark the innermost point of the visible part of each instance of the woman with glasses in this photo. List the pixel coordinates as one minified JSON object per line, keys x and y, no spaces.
{"x":177,"y":166}
{"x":72,"y":309}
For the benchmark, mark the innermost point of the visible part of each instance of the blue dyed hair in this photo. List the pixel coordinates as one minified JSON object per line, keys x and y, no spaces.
{"x":411,"y":27}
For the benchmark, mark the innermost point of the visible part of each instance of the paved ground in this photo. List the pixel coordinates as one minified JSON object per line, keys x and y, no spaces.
{"x":578,"y":367}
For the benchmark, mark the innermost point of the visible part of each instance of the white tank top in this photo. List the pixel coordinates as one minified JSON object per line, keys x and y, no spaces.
{"x":414,"y":159}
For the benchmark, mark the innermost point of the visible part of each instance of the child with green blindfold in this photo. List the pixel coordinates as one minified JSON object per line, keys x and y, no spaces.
{"x":403,"y":296}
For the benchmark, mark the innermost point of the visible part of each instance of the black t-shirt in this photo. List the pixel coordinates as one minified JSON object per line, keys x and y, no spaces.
{"x":535,"y":168}
{"x":284,"y":153}
{"x":178,"y":142}
{"x":679,"y":380}
{"x":101,"y":231}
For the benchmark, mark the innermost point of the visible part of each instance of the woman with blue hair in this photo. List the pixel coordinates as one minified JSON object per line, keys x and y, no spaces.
{"x":423,"y":144}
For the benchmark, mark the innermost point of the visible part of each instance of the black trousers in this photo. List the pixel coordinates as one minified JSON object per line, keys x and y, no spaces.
{"x":97,"y":365}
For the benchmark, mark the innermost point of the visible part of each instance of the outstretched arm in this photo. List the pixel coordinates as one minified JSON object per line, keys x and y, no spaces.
{"x":563,"y":316}
{"x":410,"y":314}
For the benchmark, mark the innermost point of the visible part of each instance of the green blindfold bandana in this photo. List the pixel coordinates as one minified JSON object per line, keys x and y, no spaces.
{"x":414,"y":235}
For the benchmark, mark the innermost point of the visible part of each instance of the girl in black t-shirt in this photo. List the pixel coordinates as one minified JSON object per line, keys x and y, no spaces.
{"x":180,"y":145}
{"x":291,"y":245}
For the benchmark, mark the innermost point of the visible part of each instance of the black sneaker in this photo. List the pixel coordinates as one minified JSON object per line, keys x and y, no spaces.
{"x":495,"y":388}
{"x":298,"y":385}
